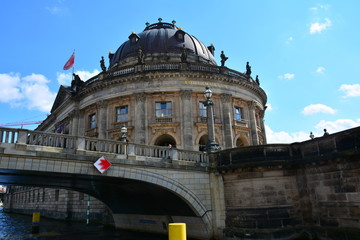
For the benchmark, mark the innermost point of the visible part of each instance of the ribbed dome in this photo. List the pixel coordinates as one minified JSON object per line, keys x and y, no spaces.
{"x":162,"y":41}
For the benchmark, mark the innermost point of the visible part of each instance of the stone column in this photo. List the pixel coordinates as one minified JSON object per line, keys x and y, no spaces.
{"x":227,"y":120}
{"x":262,"y":115}
{"x":102,"y":119}
{"x":82,"y":123}
{"x":140,"y":117}
{"x":217,"y":204}
{"x":254,"y":135}
{"x":74,"y":116}
{"x":187,"y":120}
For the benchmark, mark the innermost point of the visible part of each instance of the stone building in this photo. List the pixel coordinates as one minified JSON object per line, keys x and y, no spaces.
{"x":154,"y":86}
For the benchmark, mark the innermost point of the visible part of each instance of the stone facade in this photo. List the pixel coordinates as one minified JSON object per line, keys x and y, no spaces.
{"x":56,"y":203}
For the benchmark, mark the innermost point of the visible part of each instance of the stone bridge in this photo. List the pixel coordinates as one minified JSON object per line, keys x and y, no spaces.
{"x":252,"y":189}
{"x":146,"y":187}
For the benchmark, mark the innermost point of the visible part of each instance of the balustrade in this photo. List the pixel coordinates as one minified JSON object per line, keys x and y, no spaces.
{"x":74,"y":143}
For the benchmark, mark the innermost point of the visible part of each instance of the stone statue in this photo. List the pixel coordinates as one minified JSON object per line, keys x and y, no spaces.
{"x":76,"y":83}
{"x":183,"y":54}
{"x":102,"y":64}
{"x":248,"y":69}
{"x":257,"y":80}
{"x":223,"y":58}
{"x":140,"y":56}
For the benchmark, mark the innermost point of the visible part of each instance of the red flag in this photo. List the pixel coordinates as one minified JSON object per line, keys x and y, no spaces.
{"x":70,"y":62}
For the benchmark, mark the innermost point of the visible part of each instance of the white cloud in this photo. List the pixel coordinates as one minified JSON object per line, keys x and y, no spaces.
{"x":287,"y":76}
{"x":288,"y":41}
{"x":351,"y":90}
{"x":317,"y":108}
{"x":331,"y":127}
{"x":319,"y":27}
{"x":31,"y":91}
{"x":285,"y":137}
{"x":66,"y":78}
{"x":338,"y":125}
{"x":9,"y":90}
{"x":320,"y":70}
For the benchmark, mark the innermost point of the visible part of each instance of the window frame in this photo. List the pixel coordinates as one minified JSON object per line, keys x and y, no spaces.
{"x":164,"y":112}
{"x":122,"y":117}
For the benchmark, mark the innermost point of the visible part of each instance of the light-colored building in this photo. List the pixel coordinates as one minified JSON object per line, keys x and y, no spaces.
{"x":154,"y":86}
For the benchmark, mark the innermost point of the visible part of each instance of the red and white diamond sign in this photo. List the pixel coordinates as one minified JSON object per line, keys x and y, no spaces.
{"x":102,"y":164}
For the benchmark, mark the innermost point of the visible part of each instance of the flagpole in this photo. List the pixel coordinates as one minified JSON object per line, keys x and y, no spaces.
{"x":73,"y":71}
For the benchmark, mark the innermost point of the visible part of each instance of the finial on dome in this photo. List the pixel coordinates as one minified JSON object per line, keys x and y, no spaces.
{"x":160,"y":19}
{"x":133,"y":32}
{"x":173,"y":22}
{"x":180,"y":28}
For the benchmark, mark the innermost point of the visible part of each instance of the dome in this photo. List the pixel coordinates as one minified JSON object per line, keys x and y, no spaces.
{"x":162,"y":42}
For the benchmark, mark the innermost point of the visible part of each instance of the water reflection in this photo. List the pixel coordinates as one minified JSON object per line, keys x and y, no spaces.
{"x":17,"y":226}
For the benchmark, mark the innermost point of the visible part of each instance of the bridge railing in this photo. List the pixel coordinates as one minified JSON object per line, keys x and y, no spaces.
{"x":274,"y":154}
{"x":74,"y":143}
{"x":8,"y":135}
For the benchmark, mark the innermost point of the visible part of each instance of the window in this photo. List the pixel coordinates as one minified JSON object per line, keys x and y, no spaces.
{"x":92,"y":121}
{"x":163,"y":109}
{"x":122,"y":114}
{"x":202,"y":109}
{"x":238,"y":114}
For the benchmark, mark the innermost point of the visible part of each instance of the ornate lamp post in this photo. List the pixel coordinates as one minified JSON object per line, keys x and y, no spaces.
{"x":212,"y":145}
{"x":123,"y":135}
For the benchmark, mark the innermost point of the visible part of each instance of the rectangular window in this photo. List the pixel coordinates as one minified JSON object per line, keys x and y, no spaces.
{"x":202,"y":109}
{"x":163,"y":109}
{"x":238,"y":114}
{"x":92,"y":121}
{"x":122,"y":114}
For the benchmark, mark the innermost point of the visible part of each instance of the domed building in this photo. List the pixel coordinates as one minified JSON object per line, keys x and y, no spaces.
{"x":154,"y":86}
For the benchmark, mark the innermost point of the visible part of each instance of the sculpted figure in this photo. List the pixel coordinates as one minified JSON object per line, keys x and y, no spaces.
{"x":102,"y":64}
{"x":223,"y":58}
{"x":257,"y":80}
{"x":248,"y":69}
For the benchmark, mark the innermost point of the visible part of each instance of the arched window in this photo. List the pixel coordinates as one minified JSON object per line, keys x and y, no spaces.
{"x":239,"y":143}
{"x":165,"y":140}
{"x":202,"y":143}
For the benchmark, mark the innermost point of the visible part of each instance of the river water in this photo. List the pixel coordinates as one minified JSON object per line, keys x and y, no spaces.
{"x":18,"y":226}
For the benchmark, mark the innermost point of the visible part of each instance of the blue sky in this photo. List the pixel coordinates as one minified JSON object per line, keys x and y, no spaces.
{"x":306,"y":53}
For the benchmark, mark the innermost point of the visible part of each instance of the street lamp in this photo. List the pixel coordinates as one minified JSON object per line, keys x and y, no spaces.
{"x":212,"y":145}
{"x":123,"y":135}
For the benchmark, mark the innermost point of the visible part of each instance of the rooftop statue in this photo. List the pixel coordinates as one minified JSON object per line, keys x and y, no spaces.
{"x":223,"y":58}
{"x":102,"y":64}
{"x":248,"y":69}
{"x":76,"y":83}
{"x":257,"y":80}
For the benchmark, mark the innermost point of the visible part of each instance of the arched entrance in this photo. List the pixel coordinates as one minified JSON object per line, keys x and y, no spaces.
{"x":165,"y":140}
{"x":202,"y":143}
{"x":239,"y":143}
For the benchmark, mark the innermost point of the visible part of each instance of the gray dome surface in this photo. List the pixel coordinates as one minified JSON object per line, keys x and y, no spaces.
{"x":163,"y":39}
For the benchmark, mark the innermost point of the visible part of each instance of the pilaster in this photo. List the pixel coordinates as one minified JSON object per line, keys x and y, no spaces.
{"x":227,"y":120}
{"x":187,"y":120}
{"x":252,"y":116}
{"x":140,"y":116}
{"x":102,"y":119}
